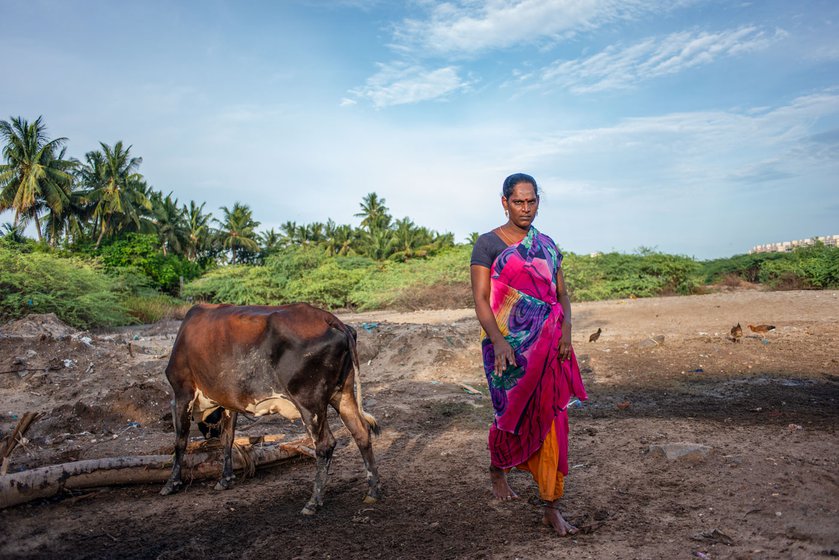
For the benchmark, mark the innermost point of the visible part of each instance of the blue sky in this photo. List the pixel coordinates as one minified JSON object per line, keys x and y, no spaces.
{"x":699,"y":127}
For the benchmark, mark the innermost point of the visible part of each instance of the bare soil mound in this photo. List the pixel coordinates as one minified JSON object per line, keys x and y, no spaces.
{"x":691,"y":445}
{"x":38,"y":325}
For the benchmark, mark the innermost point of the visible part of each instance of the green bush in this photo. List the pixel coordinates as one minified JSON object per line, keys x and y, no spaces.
{"x":237,"y":284}
{"x":390,"y":282}
{"x":154,"y":307}
{"x":141,"y":253}
{"x":814,"y":266}
{"x":75,"y":290}
{"x":308,"y":274}
{"x":618,"y":275}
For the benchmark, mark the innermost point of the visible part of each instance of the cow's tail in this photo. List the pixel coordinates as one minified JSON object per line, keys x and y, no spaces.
{"x":369,"y":418}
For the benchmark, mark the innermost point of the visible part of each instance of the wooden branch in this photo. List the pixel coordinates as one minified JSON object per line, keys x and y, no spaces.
{"x":12,"y":440}
{"x":44,"y":482}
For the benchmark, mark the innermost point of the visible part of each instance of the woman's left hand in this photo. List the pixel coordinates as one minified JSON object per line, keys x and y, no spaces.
{"x":565,"y":345}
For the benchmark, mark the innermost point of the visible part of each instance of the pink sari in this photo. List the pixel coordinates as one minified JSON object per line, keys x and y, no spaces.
{"x":533,"y":395}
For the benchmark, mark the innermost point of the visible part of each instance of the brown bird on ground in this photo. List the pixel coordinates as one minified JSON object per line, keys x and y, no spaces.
{"x":736,"y":332}
{"x":595,"y":336}
{"x":761,"y":328}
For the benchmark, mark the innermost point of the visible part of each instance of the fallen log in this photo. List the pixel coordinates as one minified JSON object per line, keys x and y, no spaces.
{"x":45,"y":482}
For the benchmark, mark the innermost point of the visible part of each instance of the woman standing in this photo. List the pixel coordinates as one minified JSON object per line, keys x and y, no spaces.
{"x":532,"y":372}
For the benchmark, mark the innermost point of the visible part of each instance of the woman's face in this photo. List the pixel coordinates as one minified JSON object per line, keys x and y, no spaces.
{"x":522,"y":205}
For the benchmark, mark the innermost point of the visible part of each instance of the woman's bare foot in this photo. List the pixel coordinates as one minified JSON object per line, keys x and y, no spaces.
{"x":500,"y":488}
{"x":552,"y":518}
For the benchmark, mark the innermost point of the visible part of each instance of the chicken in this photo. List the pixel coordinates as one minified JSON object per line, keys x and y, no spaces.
{"x":761,"y":328}
{"x":736,"y":332}
{"x":595,"y":336}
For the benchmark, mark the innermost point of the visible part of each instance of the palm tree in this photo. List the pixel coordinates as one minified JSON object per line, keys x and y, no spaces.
{"x":35,"y":176}
{"x":374,"y":213}
{"x":376,"y":243}
{"x":13,"y":232}
{"x":472,"y":238}
{"x":270,"y":241}
{"x":170,"y":224}
{"x":344,"y":236}
{"x":238,"y":232}
{"x":338,"y":239}
{"x":314,"y":232}
{"x":197,"y":229}
{"x":288,"y":231}
{"x":406,"y":238}
{"x":119,"y":194}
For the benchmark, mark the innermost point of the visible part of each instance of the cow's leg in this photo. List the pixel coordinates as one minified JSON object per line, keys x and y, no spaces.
{"x":181,"y":413}
{"x":228,"y":427}
{"x":346,"y":405}
{"x":320,"y":433}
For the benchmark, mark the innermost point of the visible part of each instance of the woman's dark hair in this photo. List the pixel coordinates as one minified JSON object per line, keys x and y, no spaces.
{"x":516,"y":178}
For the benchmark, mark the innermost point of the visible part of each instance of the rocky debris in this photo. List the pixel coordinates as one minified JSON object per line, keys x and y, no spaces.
{"x":652,"y":341}
{"x":38,"y":326}
{"x":679,"y":451}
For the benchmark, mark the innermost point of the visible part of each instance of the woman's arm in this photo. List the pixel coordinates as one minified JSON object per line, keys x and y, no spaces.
{"x":565,"y":302}
{"x":504,"y":354}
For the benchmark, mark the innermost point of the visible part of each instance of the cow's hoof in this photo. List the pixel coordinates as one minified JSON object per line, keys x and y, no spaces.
{"x":368,"y":499}
{"x":224,"y":484}
{"x":309,"y":510}
{"x":170,"y":488}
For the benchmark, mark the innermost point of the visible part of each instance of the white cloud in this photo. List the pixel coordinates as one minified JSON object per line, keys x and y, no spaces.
{"x":466,"y":26}
{"x":399,"y":83}
{"x":619,"y":67}
{"x":710,"y":150}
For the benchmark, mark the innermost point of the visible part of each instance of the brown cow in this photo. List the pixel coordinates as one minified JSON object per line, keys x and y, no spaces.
{"x":293,"y":360}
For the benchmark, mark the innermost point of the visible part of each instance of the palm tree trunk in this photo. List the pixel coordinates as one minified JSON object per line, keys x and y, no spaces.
{"x":101,"y":235}
{"x":38,"y":228}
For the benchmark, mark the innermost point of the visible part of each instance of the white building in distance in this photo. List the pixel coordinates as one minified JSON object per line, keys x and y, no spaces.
{"x":787,"y":246}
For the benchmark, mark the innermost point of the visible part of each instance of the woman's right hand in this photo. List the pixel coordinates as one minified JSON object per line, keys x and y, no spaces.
{"x":504,"y":356}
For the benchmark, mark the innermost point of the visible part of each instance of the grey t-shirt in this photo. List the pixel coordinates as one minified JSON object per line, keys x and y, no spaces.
{"x":487,"y":249}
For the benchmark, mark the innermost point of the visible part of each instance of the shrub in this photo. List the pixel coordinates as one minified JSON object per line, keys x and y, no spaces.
{"x":140,"y":253}
{"x":154,"y":307}
{"x":814,"y":266}
{"x":618,"y":275}
{"x":237,"y":284}
{"x":76,"y":291}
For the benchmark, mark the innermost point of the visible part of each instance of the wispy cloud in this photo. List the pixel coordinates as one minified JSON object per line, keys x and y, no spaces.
{"x":706,"y":150}
{"x":618,"y":67}
{"x":399,"y":83}
{"x":466,"y":26}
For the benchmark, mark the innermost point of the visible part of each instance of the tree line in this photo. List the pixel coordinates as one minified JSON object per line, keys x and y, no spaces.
{"x":83,"y":204}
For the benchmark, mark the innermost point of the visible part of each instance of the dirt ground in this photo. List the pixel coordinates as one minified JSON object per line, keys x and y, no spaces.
{"x":766,"y":410}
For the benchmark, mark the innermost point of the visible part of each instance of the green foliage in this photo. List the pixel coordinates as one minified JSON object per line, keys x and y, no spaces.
{"x":814,"y":266}
{"x":237,"y":284}
{"x":308,"y":274}
{"x":153,"y":307}
{"x":137,"y":253}
{"x":618,"y":275}
{"x":389,"y":282}
{"x":78,"y":293}
{"x":301,"y":274}
{"x":745,"y":267}
{"x":328,"y":285}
